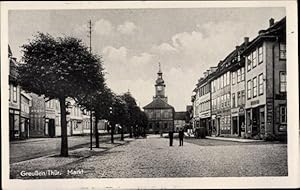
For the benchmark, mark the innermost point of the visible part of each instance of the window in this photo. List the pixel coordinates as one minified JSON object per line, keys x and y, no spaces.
{"x":282,"y":51}
{"x":254,"y":60}
{"x":228,"y":78}
{"x":238,"y":98}
{"x":254,"y":87}
{"x":249,"y":89}
{"x":9,"y":90}
{"x":243,"y":98}
{"x":222,"y":103}
{"x":222,"y":81}
{"x":238,"y":75}
{"x":233,"y":77}
{"x":242,"y":74}
{"x":260,"y":55}
{"x":233,"y":100}
{"x":249,"y":63}
{"x":228,"y":99}
{"x":15,"y":94}
{"x":282,"y":76}
{"x":283,"y":114}
{"x":260,"y":84}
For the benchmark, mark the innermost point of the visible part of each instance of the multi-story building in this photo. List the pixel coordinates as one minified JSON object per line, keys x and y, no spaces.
{"x":52,"y":121}
{"x":179,"y":120}
{"x":248,"y":89}
{"x":37,"y":116}
{"x":266,"y":112}
{"x":238,"y":93}
{"x":14,"y":98}
{"x":25,"y":118}
{"x":75,"y":119}
{"x":221,"y":99}
{"x":159,"y":113}
{"x":202,"y":102}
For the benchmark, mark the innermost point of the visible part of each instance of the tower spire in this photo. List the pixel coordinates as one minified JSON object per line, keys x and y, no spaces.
{"x":159,"y":68}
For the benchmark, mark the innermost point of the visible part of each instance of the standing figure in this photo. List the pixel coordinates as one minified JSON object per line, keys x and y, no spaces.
{"x":171,"y":137}
{"x":181,"y":135}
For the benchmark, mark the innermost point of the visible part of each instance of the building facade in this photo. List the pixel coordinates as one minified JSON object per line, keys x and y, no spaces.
{"x":248,"y":88}
{"x":179,"y":120}
{"x":266,"y":111}
{"x":25,"y":115}
{"x":14,"y":99}
{"x":159,"y":113}
{"x":202,"y":102}
{"x":221,"y":100}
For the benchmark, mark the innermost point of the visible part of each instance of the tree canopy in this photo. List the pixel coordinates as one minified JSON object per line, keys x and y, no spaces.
{"x":59,"y":67}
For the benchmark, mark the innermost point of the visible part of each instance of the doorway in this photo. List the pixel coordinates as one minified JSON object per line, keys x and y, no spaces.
{"x":51,"y":128}
{"x":234,"y":126}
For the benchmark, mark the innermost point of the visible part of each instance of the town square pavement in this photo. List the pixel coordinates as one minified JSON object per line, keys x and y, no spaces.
{"x":153,"y":157}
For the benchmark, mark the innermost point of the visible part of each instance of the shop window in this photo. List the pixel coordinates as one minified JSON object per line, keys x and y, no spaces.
{"x":283,"y":114}
{"x":260,"y":55}
{"x":282,"y":51}
{"x":282,"y":76}
{"x":254,"y":87}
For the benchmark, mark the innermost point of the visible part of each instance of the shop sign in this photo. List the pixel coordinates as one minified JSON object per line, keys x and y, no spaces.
{"x":254,"y":102}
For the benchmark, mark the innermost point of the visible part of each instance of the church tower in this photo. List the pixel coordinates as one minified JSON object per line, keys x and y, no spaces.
{"x":160,"y":87}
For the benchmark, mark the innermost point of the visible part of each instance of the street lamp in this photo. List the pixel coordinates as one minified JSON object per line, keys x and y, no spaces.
{"x":111,"y":124}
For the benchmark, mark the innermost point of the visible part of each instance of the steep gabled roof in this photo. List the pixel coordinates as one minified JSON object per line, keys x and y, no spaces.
{"x":158,"y":103}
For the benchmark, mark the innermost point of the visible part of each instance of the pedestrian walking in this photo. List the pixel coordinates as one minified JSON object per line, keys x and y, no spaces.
{"x":181,"y":135}
{"x":171,"y":137}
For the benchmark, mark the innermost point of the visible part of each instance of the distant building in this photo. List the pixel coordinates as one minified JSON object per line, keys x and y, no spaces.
{"x":179,"y":120}
{"x":202,"y":102}
{"x":159,"y":113}
{"x":37,"y":116}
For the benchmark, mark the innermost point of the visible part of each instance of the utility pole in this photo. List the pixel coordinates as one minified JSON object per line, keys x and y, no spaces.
{"x":91,"y":112}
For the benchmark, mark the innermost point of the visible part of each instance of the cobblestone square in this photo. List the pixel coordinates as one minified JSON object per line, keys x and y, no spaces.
{"x":152,"y":157}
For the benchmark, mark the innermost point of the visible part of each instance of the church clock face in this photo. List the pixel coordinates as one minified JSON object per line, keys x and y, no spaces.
{"x":159,"y":88}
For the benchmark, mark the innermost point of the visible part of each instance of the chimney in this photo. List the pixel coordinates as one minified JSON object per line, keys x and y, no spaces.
{"x":246,"y":40}
{"x":271,"y":22}
{"x":237,"y":47}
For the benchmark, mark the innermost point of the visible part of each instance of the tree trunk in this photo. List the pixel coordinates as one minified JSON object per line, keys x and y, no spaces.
{"x":64,"y":129}
{"x":112,"y":130}
{"x":96,"y":132}
{"x":130,"y":131}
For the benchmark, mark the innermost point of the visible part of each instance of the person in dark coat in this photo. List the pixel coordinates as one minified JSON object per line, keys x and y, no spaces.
{"x":171,"y":137}
{"x":181,"y":135}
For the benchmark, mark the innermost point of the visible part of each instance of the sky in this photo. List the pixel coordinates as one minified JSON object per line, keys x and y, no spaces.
{"x":132,"y":42}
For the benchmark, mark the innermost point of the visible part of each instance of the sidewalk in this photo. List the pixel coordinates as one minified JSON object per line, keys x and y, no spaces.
{"x":37,"y":139}
{"x":34,"y":148}
{"x":234,"y":139}
{"x":56,"y":164}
